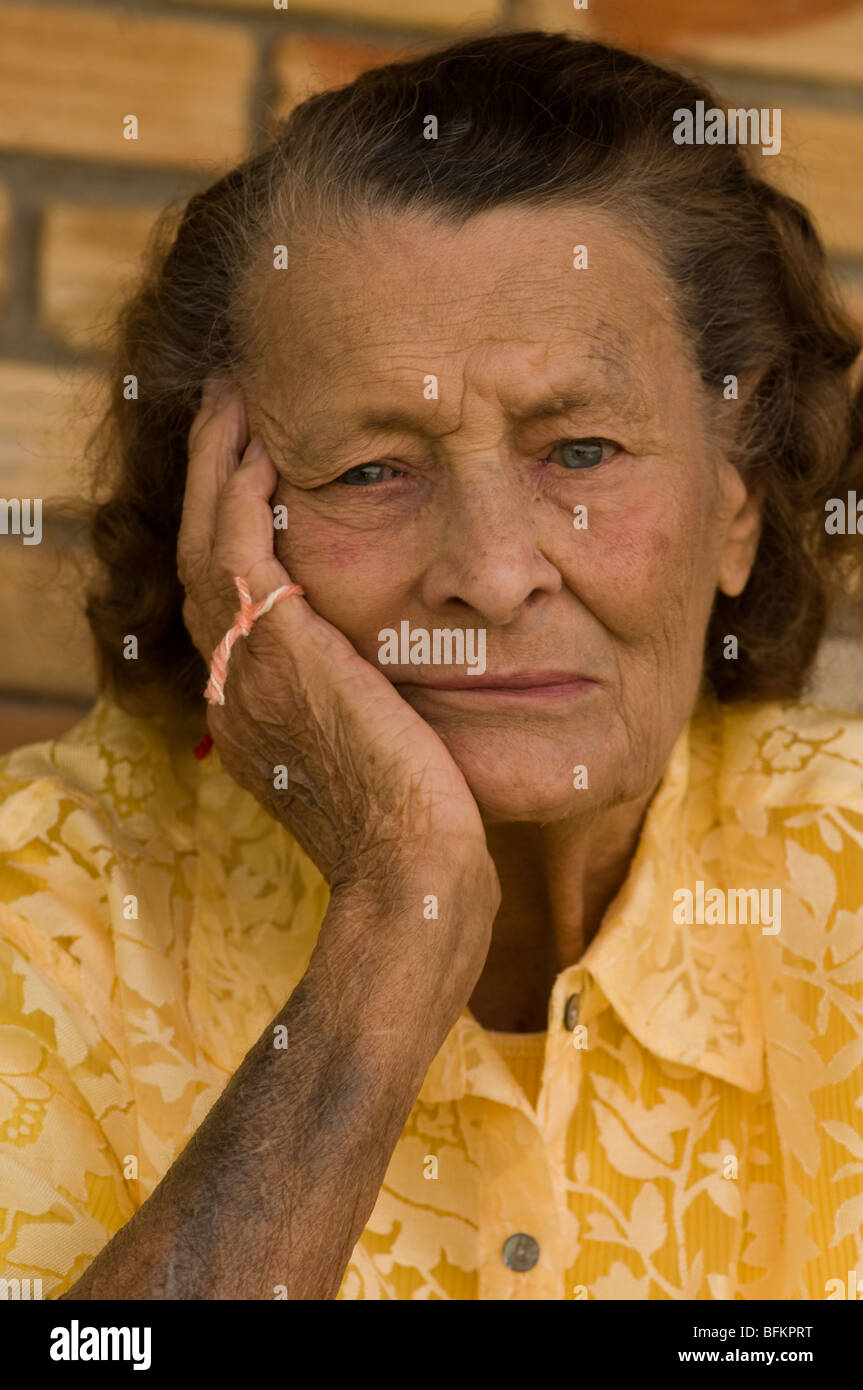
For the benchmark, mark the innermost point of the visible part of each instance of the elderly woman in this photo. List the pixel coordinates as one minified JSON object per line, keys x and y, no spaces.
{"x":502,"y":938}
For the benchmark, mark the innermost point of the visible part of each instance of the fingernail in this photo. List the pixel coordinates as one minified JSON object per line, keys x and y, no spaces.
{"x":255,"y":449}
{"x":217,"y":392}
{"x":229,"y":391}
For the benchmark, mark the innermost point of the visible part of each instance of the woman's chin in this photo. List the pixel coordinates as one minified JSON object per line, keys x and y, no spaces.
{"x":522,"y":778}
{"x":507,"y":793}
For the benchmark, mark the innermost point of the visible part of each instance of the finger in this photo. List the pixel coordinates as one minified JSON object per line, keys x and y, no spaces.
{"x":217,"y":393}
{"x":244,"y":542}
{"x":244,"y":546}
{"x":217,"y":436}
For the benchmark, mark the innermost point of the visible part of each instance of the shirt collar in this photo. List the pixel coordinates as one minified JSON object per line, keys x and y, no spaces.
{"x":687,"y":993}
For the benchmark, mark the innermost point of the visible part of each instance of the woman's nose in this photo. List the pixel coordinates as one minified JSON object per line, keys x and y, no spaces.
{"x":489,"y":553}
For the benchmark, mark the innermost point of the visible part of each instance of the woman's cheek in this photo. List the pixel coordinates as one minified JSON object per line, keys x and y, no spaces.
{"x":310,"y":547}
{"x":351,"y":580}
{"x":629,"y":566}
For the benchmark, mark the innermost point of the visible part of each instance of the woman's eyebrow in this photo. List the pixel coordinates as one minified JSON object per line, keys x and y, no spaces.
{"x":614,"y":390}
{"x":608,"y":382}
{"x":548,"y":407}
{"x":414,"y":417}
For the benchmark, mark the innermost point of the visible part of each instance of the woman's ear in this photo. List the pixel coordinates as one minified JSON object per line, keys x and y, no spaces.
{"x":740,"y":545}
{"x":742,"y":502}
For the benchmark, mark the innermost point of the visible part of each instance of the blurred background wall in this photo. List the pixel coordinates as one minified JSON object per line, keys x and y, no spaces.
{"x":206,"y":80}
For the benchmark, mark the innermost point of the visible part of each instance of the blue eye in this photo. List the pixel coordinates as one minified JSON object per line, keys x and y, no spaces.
{"x":358,"y":477}
{"x":583,"y":453}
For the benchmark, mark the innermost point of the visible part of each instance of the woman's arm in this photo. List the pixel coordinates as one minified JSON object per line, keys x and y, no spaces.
{"x":277,"y":1184}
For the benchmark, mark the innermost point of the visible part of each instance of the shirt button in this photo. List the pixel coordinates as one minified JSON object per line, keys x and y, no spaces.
{"x":520,"y":1252}
{"x":570,"y":1013}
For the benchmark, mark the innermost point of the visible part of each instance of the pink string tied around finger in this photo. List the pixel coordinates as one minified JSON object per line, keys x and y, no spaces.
{"x":243,"y":623}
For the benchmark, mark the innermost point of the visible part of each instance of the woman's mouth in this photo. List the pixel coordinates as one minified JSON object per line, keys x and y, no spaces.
{"x":518,"y":687}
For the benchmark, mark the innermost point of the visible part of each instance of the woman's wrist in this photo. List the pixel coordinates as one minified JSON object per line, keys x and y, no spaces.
{"x":418,"y":932}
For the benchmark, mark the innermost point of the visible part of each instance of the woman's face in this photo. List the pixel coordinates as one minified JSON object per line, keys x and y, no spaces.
{"x":430,"y":479}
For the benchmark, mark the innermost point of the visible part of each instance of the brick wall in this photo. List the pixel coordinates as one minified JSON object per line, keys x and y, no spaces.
{"x":206,"y":80}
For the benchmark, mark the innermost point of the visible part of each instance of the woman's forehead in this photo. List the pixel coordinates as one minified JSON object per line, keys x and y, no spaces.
{"x":514,"y":285}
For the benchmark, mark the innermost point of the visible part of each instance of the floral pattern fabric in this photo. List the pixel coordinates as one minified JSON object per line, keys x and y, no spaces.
{"x":697,"y":1133}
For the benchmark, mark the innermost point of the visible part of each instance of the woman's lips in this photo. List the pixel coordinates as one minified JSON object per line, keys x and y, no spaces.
{"x":533,"y":685}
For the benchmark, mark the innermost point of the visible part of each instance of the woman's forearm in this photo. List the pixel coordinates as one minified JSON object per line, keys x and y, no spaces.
{"x":275,"y":1187}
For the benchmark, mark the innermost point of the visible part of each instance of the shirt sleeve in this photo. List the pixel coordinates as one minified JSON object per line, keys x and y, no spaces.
{"x":66,"y":1142}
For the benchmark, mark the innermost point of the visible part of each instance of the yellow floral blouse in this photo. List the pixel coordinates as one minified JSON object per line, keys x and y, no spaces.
{"x":689,"y":1127}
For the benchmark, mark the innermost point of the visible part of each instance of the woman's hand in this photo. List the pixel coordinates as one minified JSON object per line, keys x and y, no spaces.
{"x":370,"y":786}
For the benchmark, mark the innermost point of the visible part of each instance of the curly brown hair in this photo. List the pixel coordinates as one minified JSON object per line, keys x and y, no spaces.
{"x":524,"y":118}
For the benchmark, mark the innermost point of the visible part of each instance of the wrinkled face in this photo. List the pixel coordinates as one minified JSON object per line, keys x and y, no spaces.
{"x":474,"y":436}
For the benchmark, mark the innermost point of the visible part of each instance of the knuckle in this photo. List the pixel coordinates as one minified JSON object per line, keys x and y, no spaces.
{"x":201,"y":430}
{"x":190,"y":612}
{"x":193,"y":624}
{"x":237,"y":486}
{"x":193,"y":571}
{"x":222,"y":577}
